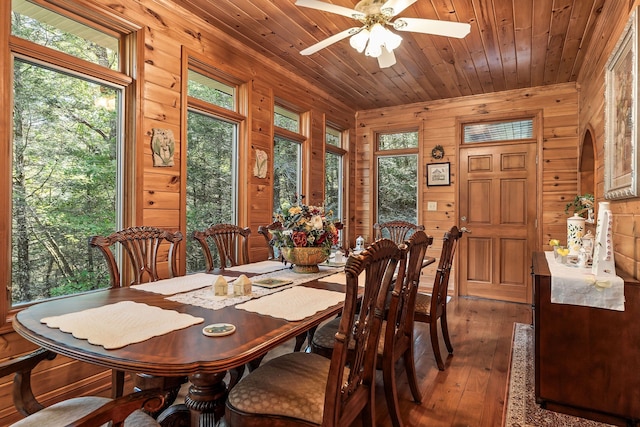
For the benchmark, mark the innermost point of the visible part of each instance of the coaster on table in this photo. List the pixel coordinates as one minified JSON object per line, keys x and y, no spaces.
{"x":218,"y":329}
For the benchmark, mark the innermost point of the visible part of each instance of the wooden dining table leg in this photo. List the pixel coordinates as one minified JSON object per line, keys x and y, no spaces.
{"x":206,"y":398}
{"x":171,"y":385}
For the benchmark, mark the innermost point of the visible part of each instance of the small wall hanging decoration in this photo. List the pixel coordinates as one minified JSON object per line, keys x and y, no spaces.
{"x":437,"y":152}
{"x":163,"y":146}
{"x":260,"y":168}
{"x":438,"y":174}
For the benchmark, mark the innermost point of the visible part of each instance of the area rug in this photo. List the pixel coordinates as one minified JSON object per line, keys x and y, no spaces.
{"x":521,"y":408}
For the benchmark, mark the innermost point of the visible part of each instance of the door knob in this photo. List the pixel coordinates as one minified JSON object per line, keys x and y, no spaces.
{"x":465,"y":230}
{"x":463,"y":218}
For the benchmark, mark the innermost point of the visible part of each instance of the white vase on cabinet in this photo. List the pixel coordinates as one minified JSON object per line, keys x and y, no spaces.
{"x":575,"y":231}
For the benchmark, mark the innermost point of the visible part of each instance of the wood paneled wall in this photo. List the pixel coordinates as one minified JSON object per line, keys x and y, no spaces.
{"x":567,"y":111}
{"x":168,"y":32}
{"x":440,"y":123}
{"x":626,"y":213}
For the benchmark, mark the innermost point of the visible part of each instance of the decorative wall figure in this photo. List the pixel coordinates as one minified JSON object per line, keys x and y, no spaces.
{"x":163,"y":145}
{"x":260,"y":168}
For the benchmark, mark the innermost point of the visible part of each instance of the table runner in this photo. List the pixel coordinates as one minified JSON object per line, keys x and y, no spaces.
{"x":207,"y":299}
{"x":260,"y":267}
{"x":578,"y":286}
{"x":117,"y":325}
{"x":293,"y":304}
{"x":180,"y":284}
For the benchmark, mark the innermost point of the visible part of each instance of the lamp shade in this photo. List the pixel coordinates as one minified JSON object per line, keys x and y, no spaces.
{"x":392,"y":40}
{"x":376,"y":41}
{"x":359,"y":40}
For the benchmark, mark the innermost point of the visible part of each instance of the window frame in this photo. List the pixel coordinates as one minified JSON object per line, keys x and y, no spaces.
{"x":193,"y":61}
{"x":342,"y":153}
{"x":131,"y":41}
{"x":296,"y":137}
{"x":377,"y":153}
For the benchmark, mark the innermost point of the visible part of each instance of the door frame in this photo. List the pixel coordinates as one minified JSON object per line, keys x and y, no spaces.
{"x":538,"y":138}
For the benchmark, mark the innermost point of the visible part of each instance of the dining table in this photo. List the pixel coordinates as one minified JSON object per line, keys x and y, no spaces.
{"x":72,"y":327}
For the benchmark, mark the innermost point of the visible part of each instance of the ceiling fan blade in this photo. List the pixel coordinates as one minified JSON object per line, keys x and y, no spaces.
{"x":431,"y":26}
{"x":330,"y":40}
{"x":332,"y":8}
{"x":394,"y":7}
{"x":386,"y":59}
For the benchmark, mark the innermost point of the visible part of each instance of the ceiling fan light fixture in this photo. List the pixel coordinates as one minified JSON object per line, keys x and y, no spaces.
{"x":359,"y":40}
{"x":373,"y":37}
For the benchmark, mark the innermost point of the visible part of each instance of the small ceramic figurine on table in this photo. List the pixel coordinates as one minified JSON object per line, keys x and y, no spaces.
{"x":242,"y":286}
{"x":220,"y":287}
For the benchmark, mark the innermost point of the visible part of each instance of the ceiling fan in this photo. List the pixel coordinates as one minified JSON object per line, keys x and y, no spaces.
{"x":373,"y":37}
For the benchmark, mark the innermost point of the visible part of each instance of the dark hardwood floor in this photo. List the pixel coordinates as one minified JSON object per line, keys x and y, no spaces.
{"x":471,"y":390}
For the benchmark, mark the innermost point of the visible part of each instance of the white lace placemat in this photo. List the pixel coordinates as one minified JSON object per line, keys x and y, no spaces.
{"x":116,"y":325}
{"x":578,"y":286}
{"x":293,"y":304}
{"x":179,"y":284}
{"x":206,"y":298}
{"x":260,"y":267}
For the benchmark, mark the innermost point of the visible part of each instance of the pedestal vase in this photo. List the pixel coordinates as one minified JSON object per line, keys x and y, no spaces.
{"x":305,"y":259}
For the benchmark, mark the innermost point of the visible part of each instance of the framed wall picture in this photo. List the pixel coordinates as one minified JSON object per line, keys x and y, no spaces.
{"x":621,"y":115}
{"x":438,"y":174}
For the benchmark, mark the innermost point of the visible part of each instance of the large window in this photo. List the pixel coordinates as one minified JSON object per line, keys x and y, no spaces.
{"x":287,"y":179}
{"x":334,"y":172}
{"x":397,"y":177}
{"x":67,"y":152}
{"x":287,"y":157}
{"x":212,"y":152}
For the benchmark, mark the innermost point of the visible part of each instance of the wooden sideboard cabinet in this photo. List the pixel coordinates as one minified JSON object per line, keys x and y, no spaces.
{"x":587,"y":360}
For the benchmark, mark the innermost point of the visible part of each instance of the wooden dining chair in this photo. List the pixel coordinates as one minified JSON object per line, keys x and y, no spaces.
{"x":141,"y":249}
{"x":431,"y":307}
{"x":231,"y":243}
{"x":302,"y":388}
{"x":265,"y":231}
{"x":396,"y":339}
{"x":397,"y":230}
{"x":87,"y":411}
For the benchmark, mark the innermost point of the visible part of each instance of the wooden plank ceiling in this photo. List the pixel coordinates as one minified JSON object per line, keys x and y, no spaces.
{"x":512,"y":44}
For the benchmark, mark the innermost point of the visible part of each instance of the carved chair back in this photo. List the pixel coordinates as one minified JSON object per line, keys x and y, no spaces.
{"x":398,"y":230}
{"x":231,"y":242}
{"x":141,"y":249}
{"x":359,"y":332}
{"x":397,"y":342}
{"x":441,"y":282}
{"x":265,"y":231}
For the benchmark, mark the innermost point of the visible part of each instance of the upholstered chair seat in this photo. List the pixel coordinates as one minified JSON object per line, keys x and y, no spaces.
{"x":86,"y":411}
{"x":423,"y":302}
{"x":69,"y":411}
{"x":292,"y":385}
